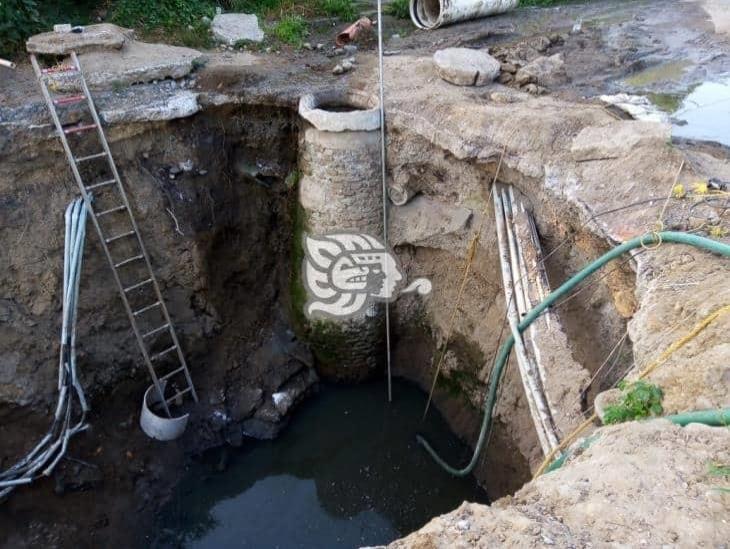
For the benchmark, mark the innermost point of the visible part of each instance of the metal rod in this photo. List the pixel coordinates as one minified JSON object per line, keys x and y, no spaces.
{"x":385,"y":190}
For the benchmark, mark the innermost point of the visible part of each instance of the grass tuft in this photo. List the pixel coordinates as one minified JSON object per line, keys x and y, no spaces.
{"x":291,"y":29}
{"x":399,"y":8}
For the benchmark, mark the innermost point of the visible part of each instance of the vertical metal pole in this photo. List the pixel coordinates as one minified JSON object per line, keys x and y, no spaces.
{"x":385,"y":189}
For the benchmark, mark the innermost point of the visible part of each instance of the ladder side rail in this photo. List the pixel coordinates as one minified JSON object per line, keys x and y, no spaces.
{"x":87,"y":198}
{"x":158,"y":293}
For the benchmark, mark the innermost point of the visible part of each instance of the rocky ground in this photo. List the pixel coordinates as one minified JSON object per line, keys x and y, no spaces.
{"x":221,"y":234}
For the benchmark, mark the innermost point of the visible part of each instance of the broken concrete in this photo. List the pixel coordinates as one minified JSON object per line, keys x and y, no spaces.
{"x":167,"y":106}
{"x":230,"y":28}
{"x":466,"y":67}
{"x":104,"y":36}
{"x":543,"y":71}
{"x":137,"y":62}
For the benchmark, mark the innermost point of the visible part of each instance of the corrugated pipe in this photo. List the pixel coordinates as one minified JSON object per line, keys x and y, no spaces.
{"x":504,"y":351}
{"x":432,"y":14}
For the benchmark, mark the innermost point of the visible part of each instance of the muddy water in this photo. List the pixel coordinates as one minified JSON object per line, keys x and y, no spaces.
{"x":346,"y":472}
{"x":704,"y":114}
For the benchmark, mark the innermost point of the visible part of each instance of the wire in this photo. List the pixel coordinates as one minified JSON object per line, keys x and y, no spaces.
{"x":385,"y":190}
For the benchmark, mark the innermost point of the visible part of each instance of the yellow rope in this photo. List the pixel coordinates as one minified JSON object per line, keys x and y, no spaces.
{"x":678,"y":344}
{"x":470,"y":254}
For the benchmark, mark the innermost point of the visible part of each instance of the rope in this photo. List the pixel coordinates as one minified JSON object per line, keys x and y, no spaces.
{"x":385,"y":189}
{"x":504,"y":352}
{"x":678,"y":344}
{"x":48,"y":452}
{"x":471,"y":252}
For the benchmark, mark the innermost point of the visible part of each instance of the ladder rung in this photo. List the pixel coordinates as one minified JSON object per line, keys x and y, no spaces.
{"x":90,"y":157}
{"x":174,"y":372}
{"x":59,"y":68}
{"x":122,"y":263}
{"x":69,"y":100}
{"x":138,"y":285}
{"x":156,"y":330}
{"x":102,"y":184}
{"x":81,"y":128}
{"x":145,"y":309}
{"x":117,"y":237}
{"x":176,"y":395}
{"x":163,"y":353}
{"x":112,"y":210}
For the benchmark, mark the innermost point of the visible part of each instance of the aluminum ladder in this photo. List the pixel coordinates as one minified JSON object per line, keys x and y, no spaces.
{"x":124,"y":248}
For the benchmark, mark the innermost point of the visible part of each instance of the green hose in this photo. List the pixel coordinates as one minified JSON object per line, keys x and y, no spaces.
{"x":504,"y":351}
{"x":713,"y":418}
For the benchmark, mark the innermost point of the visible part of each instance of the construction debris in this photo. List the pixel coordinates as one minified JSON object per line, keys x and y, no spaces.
{"x":93,"y":37}
{"x":350,"y":34}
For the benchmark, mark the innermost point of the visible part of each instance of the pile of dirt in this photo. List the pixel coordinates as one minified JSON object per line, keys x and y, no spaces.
{"x":639,"y":484}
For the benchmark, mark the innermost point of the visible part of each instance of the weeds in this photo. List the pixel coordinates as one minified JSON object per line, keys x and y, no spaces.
{"x":639,"y":400}
{"x":291,"y":29}
{"x":344,"y":9}
{"x":175,"y":21}
{"x":399,"y":9}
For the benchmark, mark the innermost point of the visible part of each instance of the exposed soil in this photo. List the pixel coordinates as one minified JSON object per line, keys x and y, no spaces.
{"x":220,"y":237}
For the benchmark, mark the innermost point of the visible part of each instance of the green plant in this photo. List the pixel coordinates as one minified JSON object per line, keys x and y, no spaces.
{"x":344,"y":9}
{"x":399,"y":8}
{"x":167,"y":14}
{"x":291,"y":29}
{"x":259,"y":7}
{"x":638,"y":400}
{"x":18,"y":20}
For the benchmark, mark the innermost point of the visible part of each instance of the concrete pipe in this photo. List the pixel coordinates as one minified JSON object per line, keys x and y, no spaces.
{"x":340,"y":192}
{"x":431,"y":14}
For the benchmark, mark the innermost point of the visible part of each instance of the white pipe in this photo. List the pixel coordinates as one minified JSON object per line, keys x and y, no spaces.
{"x":522,"y":362}
{"x":431,"y":14}
{"x":520,"y":284}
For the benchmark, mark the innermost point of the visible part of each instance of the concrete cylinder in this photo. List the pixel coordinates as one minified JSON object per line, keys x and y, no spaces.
{"x":340,"y":191}
{"x":431,"y":14}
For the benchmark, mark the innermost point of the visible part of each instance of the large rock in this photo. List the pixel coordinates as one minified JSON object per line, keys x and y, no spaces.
{"x":104,"y":36}
{"x":137,"y":62}
{"x":545,"y":71}
{"x":229,"y":28}
{"x":428,"y":222}
{"x":466,"y":67}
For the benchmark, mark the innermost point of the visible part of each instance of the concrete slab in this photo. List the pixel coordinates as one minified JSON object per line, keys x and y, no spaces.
{"x":137,"y":62}
{"x":103,"y":36}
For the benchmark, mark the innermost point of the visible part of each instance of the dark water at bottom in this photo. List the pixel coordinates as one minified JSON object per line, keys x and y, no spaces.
{"x":346,"y":472}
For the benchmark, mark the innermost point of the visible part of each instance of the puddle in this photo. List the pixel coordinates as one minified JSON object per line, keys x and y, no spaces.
{"x":704,"y":114}
{"x":667,"y":72}
{"x":346,"y":472}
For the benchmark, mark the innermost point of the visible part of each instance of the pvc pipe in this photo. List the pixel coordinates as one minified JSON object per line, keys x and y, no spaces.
{"x":432,"y":14}
{"x":512,"y":289}
{"x":647,"y":239}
